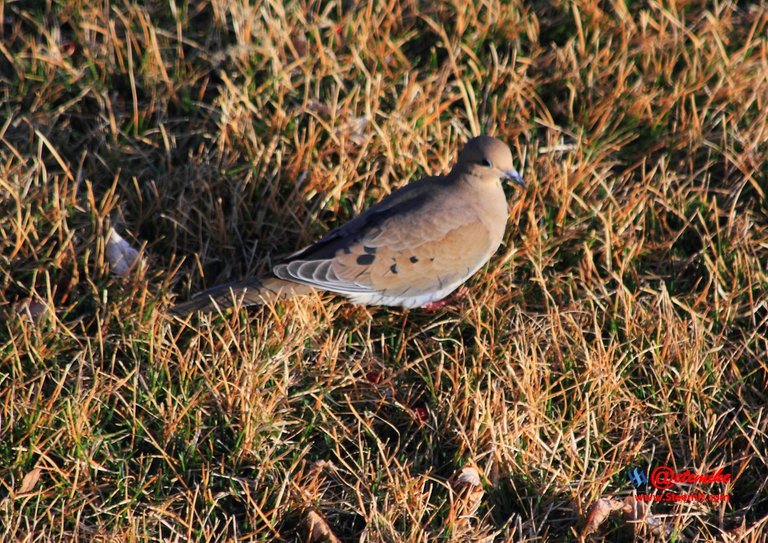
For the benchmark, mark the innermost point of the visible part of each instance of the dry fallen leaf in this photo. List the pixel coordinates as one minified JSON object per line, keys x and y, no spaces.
{"x":634,"y":511}
{"x":599,"y":513}
{"x":318,"y":107}
{"x":640,"y":512}
{"x":319,"y":466}
{"x":120,"y":254}
{"x":317,"y":529}
{"x":354,"y":129}
{"x":34,"y":310}
{"x":29,"y":481}
{"x":469,"y":489}
{"x":467,"y":476}
{"x":68,"y":48}
{"x":737,"y":534}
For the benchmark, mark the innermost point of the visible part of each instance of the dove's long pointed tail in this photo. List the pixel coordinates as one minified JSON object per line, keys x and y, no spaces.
{"x":251,"y":291}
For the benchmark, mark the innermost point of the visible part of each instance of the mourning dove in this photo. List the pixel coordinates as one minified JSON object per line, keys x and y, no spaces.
{"x":413,"y":248}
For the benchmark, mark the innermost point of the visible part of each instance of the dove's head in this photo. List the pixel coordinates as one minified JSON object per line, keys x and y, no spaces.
{"x":489,"y":157}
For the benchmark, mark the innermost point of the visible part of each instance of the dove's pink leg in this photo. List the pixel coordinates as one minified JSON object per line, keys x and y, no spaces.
{"x":432,"y":306}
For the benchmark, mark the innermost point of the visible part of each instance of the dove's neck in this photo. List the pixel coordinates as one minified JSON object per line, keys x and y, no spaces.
{"x":491,"y":205}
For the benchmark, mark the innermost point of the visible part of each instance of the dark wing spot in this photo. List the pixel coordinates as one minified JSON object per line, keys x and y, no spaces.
{"x":365,"y":260}
{"x":414,"y":260}
{"x":369,"y":250}
{"x":393,"y":268}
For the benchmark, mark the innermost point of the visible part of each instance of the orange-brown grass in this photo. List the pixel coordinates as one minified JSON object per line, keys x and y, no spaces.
{"x":622,"y":325}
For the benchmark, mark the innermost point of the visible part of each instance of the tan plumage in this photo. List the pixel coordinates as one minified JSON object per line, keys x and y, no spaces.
{"x":414,"y":247}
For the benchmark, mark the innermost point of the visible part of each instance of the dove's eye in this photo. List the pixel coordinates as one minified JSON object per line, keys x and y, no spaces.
{"x":487,"y":162}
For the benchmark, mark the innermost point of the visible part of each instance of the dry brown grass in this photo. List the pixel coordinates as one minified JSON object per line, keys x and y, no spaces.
{"x":624,"y":323}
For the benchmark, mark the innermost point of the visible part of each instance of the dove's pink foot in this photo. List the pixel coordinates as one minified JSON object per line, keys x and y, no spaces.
{"x":432,"y":306}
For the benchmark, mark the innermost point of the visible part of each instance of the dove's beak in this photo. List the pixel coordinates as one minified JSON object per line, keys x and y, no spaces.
{"x":512,"y":175}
